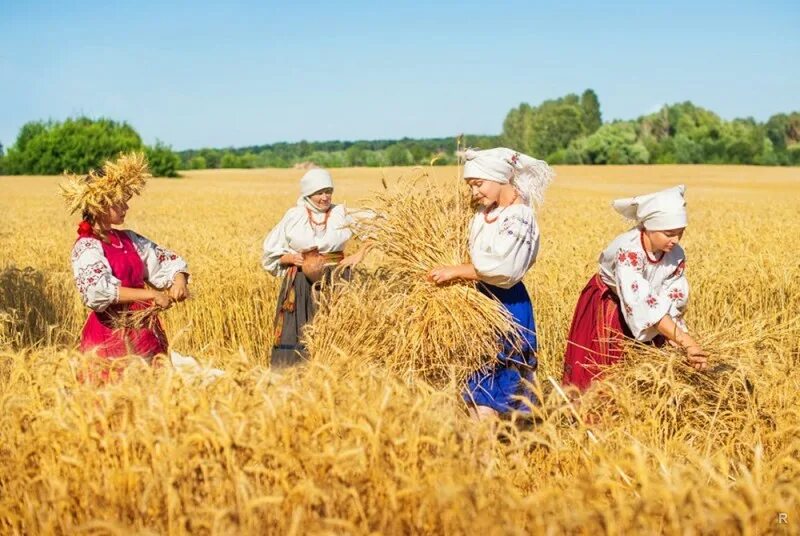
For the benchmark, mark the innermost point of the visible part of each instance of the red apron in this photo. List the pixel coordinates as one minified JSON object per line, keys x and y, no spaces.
{"x":99,"y":334}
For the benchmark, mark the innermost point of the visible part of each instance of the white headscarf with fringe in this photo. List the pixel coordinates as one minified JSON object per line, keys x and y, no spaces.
{"x":529,"y":176}
{"x":660,"y":211}
{"x":312,"y":182}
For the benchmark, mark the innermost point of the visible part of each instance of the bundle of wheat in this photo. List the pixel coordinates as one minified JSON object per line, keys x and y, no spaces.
{"x":393,"y":314}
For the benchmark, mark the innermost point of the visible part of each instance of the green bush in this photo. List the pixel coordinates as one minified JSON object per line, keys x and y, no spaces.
{"x":163,"y":162}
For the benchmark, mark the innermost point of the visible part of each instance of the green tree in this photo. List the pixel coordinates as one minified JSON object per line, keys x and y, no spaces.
{"x":230,"y":160}
{"x":783,"y":130}
{"x":376,"y":159}
{"x":163,"y":162}
{"x":398,"y":155}
{"x":77,"y":145}
{"x":356,"y":155}
{"x":544,"y":129}
{"x":516,"y":128}
{"x":420,"y":154}
{"x":198,"y":162}
{"x":590,"y":104}
{"x":793,"y":154}
{"x":614,"y":143}
{"x":554,"y":125}
{"x":213,"y":158}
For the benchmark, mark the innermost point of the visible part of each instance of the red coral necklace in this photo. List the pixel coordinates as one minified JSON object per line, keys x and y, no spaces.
{"x":312,"y":222}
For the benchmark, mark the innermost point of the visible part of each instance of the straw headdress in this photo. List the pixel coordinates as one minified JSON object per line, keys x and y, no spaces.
{"x":100,"y":189}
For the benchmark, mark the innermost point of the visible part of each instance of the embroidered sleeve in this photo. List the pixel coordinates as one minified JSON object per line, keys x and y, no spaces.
{"x":642,"y":308}
{"x":678,"y":294}
{"x":511,"y":254}
{"x":96,"y":283}
{"x":161,"y":264}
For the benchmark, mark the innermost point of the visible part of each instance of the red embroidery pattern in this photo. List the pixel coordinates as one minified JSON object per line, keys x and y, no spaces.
{"x":651,"y":301}
{"x":90,"y":276}
{"x":629,"y":258}
{"x":164,"y":255}
{"x":676,"y":294}
{"x":82,"y":245}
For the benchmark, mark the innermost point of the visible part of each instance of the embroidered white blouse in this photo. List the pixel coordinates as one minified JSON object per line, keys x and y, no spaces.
{"x":647,"y":290}
{"x":96,"y":283}
{"x":295,"y":233}
{"x":502,"y":250}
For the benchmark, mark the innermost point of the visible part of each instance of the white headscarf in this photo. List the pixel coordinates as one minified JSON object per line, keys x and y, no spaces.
{"x":528,"y":175}
{"x":312,"y":182}
{"x":660,"y":211}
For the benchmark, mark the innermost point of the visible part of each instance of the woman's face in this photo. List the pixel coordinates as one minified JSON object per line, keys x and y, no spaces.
{"x":484,"y":193}
{"x":116,"y":214}
{"x":665,"y":240}
{"x":322,"y":198}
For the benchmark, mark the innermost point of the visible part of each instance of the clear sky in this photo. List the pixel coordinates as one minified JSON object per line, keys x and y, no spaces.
{"x":220,"y":74}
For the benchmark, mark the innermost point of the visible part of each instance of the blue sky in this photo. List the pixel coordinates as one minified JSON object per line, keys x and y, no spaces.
{"x":199,"y":73}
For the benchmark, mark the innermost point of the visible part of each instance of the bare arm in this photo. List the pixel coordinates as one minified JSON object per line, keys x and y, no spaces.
{"x":291,"y":259}
{"x":131,"y":295}
{"x":443,"y":274}
{"x":358,"y":256}
{"x":695,"y":354}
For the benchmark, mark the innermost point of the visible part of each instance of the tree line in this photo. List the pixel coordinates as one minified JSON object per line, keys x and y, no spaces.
{"x":78,"y":145}
{"x":567,"y":130}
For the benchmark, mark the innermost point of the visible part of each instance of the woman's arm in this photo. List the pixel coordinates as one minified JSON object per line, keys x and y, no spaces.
{"x":358,"y":256}
{"x":291,"y":259}
{"x":163,"y":266}
{"x":179,"y":290}
{"x":278,"y":256}
{"x":694,"y":353}
{"x":131,"y":295}
{"x":443,"y":274}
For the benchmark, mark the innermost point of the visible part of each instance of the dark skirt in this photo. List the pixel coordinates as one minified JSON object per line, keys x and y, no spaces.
{"x":504,"y":384}
{"x":294,"y":311}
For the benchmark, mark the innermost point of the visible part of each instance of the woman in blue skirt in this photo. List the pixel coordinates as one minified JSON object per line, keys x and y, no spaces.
{"x":503,"y":243}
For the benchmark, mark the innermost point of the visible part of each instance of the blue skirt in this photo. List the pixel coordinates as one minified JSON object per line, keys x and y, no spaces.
{"x":501,"y":384}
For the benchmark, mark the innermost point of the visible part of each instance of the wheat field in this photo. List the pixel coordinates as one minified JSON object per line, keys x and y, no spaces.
{"x":346,"y":446}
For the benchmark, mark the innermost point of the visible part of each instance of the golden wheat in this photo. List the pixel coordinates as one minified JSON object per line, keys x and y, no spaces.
{"x":347,"y":446}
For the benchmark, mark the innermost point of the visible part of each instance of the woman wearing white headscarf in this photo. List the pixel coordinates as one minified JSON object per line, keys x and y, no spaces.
{"x":303,"y":248}
{"x":503,"y":243}
{"x":640,"y":291}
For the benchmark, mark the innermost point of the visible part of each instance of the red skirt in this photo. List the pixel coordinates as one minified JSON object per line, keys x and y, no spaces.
{"x":114,"y":344}
{"x":595,"y":338}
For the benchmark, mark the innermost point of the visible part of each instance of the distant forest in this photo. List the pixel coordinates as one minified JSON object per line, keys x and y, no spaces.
{"x":567,"y":130}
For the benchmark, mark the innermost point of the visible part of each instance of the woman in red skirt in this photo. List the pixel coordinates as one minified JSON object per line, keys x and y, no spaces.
{"x":640,"y":291}
{"x":113,"y":268}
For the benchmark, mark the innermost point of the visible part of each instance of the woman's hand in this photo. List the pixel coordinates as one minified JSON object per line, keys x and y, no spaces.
{"x":292,"y":259}
{"x":179,"y":290}
{"x":351,"y":260}
{"x":161,"y":299}
{"x":696,"y":357}
{"x":355,"y":258}
{"x":443,"y":274}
